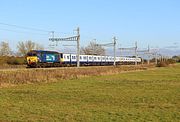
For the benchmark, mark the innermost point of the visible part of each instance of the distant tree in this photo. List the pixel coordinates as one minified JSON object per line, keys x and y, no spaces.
{"x":4,"y":49}
{"x":176,"y":58}
{"x":93,"y":49}
{"x":24,"y":47}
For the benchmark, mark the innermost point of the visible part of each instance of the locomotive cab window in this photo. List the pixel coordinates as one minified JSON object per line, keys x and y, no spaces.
{"x":31,"y":54}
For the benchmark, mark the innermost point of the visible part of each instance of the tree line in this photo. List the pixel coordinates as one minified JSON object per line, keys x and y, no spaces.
{"x":22,"y":48}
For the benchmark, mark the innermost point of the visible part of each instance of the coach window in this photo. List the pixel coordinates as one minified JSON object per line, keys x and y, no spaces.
{"x":80,"y":57}
{"x":84,"y":57}
{"x":67,"y":57}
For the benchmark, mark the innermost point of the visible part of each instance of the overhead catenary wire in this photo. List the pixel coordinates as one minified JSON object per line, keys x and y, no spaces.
{"x":23,"y":27}
{"x":15,"y":31}
{"x":31,"y":28}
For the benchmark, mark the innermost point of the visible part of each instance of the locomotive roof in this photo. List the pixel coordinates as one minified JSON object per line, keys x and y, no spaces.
{"x":45,"y":51}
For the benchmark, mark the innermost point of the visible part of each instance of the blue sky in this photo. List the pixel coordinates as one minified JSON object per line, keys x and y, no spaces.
{"x":153,"y":22}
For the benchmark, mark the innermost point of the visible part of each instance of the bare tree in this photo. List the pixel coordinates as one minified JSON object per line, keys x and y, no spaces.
{"x":22,"y":50}
{"x":5,"y":49}
{"x":24,"y":47}
{"x":93,"y":49}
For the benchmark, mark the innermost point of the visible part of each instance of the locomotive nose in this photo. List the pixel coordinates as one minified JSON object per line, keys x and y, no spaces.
{"x":29,"y":60}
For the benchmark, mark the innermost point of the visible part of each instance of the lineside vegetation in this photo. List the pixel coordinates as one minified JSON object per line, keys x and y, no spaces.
{"x":24,"y":76}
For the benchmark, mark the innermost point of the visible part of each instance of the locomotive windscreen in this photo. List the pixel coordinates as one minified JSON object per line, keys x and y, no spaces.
{"x":31,"y":54}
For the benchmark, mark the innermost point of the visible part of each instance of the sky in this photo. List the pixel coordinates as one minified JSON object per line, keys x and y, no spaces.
{"x":149,"y":22}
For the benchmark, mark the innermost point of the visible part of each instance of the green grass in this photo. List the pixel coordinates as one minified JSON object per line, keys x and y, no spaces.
{"x":152,"y":95}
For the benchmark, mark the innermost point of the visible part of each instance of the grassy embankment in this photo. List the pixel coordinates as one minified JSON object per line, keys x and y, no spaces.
{"x":151,"y":95}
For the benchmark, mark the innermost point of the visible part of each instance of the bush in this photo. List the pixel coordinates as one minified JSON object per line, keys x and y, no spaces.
{"x":166,"y":63}
{"x":162,"y":64}
{"x":15,"y":60}
{"x":171,"y":61}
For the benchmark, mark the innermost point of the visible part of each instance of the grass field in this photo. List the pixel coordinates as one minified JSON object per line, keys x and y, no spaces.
{"x":151,"y":95}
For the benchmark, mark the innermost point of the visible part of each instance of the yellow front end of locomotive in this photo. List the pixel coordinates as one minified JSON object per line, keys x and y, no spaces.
{"x":61,"y":60}
{"x":32,"y":60}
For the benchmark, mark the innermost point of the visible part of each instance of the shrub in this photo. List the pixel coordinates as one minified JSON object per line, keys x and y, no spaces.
{"x":171,"y":61}
{"x":15,"y":61}
{"x":162,"y":64}
{"x":166,"y":63}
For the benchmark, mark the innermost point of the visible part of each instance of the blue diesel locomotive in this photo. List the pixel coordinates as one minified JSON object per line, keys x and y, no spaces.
{"x":41,"y":58}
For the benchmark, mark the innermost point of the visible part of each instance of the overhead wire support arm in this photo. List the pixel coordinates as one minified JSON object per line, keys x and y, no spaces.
{"x":108,"y":44}
{"x":131,"y":48}
{"x":142,"y":51}
{"x":111,"y":44}
{"x":71,"y":38}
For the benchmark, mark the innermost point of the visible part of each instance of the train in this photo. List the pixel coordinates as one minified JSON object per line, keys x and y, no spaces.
{"x":45,"y":58}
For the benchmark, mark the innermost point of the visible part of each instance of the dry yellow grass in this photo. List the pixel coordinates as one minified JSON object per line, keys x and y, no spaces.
{"x":21,"y":76}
